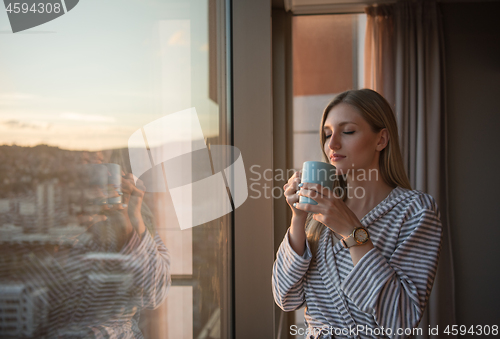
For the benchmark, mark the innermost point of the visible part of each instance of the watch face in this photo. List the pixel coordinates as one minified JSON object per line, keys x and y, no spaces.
{"x":361,"y":235}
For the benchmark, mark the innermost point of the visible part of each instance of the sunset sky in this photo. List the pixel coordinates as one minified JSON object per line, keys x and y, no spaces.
{"x":89,"y":79}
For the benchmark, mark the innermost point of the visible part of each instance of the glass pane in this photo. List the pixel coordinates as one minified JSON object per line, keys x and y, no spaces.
{"x":113,"y":204}
{"x":327,"y":59}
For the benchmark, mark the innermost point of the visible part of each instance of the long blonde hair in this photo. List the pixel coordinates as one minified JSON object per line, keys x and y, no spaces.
{"x":378,"y":113}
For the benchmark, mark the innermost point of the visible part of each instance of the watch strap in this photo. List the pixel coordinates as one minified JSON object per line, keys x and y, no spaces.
{"x":349,"y":241}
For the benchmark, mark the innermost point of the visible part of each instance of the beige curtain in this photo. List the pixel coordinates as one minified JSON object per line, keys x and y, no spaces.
{"x":404,"y":61}
{"x":379,"y":51}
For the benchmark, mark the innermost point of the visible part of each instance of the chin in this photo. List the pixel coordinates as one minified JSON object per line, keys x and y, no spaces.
{"x":343,"y":169}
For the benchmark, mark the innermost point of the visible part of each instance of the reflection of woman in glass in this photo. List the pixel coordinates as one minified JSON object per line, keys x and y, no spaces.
{"x":365,"y":256}
{"x":105,"y":283}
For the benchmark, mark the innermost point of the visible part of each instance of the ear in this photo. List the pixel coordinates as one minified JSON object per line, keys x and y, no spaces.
{"x":383,"y":139}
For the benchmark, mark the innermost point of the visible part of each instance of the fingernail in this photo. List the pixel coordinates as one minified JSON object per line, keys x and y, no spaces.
{"x":301,"y":184}
{"x":124,"y":205}
{"x":294,"y":204}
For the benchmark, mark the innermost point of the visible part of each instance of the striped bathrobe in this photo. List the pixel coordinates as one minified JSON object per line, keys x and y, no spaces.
{"x":388,"y":288}
{"x":97,"y":292}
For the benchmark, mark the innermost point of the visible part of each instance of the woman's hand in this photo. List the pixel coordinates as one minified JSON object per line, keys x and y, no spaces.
{"x":297,"y":229}
{"x":290,"y":192}
{"x":133,"y":195}
{"x":330,"y":210}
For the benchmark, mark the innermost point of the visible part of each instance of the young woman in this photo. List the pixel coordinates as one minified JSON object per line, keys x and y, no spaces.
{"x":363,"y":259}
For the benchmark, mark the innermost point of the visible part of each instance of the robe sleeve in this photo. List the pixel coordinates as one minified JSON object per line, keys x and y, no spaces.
{"x":289,"y":271}
{"x":149,"y":264}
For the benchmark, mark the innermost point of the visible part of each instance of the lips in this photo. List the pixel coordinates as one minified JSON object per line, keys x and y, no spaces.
{"x":336,"y":157}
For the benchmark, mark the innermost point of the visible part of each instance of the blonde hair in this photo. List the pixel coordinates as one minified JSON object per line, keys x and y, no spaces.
{"x":378,"y":113}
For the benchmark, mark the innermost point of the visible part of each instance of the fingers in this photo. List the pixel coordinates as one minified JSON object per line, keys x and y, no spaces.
{"x":309,"y":208}
{"x":321,"y":191}
{"x":130,"y":178}
{"x":140,"y":185}
{"x":314,"y":195}
{"x":294,"y":177}
{"x":131,"y":188}
{"x":291,"y":196}
{"x":293,"y":181}
{"x":291,"y":187}
{"x":127,"y":186}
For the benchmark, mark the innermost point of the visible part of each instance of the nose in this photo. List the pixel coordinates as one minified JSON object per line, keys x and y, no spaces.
{"x":334,"y":142}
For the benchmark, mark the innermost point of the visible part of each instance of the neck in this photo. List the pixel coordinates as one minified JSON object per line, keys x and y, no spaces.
{"x":366,"y":191}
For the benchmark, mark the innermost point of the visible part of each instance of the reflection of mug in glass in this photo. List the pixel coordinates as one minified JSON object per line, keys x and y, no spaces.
{"x":114,"y":184}
{"x":317,"y":172}
{"x":106,"y":178}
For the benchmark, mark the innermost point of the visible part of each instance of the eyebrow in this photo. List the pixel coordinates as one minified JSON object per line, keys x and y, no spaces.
{"x":342,"y":124}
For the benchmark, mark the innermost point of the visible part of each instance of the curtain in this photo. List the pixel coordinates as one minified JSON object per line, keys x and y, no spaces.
{"x":404,"y":61}
{"x":379,"y":51}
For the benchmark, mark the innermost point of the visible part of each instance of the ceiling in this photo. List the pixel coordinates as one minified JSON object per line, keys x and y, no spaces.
{"x":299,"y":7}
{"x":328,"y":6}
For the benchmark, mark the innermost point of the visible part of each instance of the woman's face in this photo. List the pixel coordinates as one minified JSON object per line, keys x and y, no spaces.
{"x":351,"y":145}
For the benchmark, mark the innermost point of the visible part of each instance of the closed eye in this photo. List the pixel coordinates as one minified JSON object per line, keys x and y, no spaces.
{"x":349,"y":132}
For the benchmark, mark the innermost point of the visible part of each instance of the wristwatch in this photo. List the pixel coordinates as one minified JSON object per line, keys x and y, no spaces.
{"x":359,"y":236}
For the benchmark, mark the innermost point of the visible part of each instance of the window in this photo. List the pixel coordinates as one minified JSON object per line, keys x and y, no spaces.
{"x":73,"y":93}
{"x":327,"y":60}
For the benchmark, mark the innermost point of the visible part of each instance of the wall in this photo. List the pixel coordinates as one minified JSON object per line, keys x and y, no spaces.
{"x":473,"y":77}
{"x":253,"y":135}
